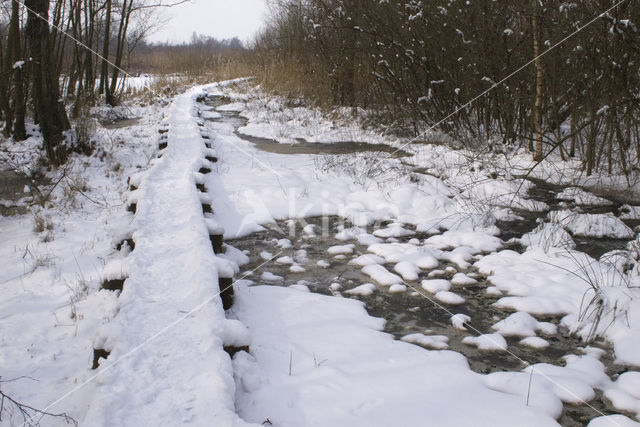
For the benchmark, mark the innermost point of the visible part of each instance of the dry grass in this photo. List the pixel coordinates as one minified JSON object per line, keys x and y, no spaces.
{"x":170,"y":84}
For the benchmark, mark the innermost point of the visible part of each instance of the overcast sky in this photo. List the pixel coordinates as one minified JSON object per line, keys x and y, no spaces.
{"x":218,"y":18}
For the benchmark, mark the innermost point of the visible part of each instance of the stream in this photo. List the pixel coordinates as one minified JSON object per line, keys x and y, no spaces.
{"x":412,"y":311}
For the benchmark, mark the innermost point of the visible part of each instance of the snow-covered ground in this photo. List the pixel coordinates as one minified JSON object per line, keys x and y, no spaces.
{"x":313,"y":359}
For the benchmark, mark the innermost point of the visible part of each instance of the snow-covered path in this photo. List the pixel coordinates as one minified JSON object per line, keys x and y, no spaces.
{"x":167,"y":365}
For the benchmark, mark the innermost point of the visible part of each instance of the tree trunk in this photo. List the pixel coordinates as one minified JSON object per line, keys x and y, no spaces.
{"x":104,"y":73}
{"x":537,"y":107}
{"x":4,"y":91}
{"x":13,"y":45}
{"x":49,"y":109}
{"x":122,"y":37}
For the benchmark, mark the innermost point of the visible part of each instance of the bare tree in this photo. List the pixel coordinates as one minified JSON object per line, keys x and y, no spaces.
{"x":49,"y":108}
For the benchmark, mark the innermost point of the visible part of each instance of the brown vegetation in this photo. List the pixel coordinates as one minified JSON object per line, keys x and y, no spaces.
{"x":420,"y":63}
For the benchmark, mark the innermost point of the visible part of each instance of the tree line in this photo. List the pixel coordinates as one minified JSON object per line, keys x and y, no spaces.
{"x":55,"y":53}
{"x":420,"y":63}
{"x":198,"y":56}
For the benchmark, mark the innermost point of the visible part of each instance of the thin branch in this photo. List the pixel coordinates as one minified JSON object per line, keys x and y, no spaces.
{"x":24,"y":411}
{"x":151,"y":6}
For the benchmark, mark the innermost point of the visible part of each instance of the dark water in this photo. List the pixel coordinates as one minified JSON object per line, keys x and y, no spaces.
{"x":546,"y":192}
{"x":304,"y":147}
{"x":118,"y":124}
{"x":301,"y":146}
{"x":412,"y":311}
{"x":12,"y":185}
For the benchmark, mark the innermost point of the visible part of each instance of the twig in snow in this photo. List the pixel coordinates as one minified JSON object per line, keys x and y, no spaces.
{"x":29,"y":412}
{"x":529,"y":387}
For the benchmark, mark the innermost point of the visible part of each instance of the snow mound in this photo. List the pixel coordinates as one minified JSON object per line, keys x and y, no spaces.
{"x":487,"y":342}
{"x":629,"y":212}
{"x":397,"y":289}
{"x":458,"y":321}
{"x":367,"y":259}
{"x":364,"y":290}
{"x":521,"y":324}
{"x":548,"y":235}
{"x":624,"y":394}
{"x":592,"y":225}
{"x":480,"y":242}
{"x":408,"y":270}
{"x":433,"y":342}
{"x":449,"y":298}
{"x":535,"y":342}
{"x":613,"y":421}
{"x":462,"y":279}
{"x":581,"y":197}
{"x":436,"y":285}
{"x":341,"y":249}
{"x":393,"y":230}
{"x":381,"y":275}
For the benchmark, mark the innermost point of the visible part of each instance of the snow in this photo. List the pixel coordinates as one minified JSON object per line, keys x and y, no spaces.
{"x":613,"y":421}
{"x":548,"y":235}
{"x":624,"y":394}
{"x":592,"y":225}
{"x":284,"y":244}
{"x":268,"y":276}
{"x":581,"y":197}
{"x":284,"y":260}
{"x":462,"y":279}
{"x":449,"y":298}
{"x":234,"y":106}
{"x":535,"y":342}
{"x":381,"y":275}
{"x":480,"y":242}
{"x":436,"y":273}
{"x":323,"y":264}
{"x":367,"y":259}
{"x":393,"y":230}
{"x":407,"y":270}
{"x":341,"y":249}
{"x":630,"y":212}
{"x":521,"y":324}
{"x":335,"y":286}
{"x":436,"y":285}
{"x":364,"y":290}
{"x":551,"y":385}
{"x":421,"y":256}
{"x":458,"y":321}
{"x":297,"y":269}
{"x":169,"y":251}
{"x":312,"y":352}
{"x":315,"y":360}
{"x":433,"y":342}
{"x":487,"y":342}
{"x":210,"y":115}
{"x":397,"y":289}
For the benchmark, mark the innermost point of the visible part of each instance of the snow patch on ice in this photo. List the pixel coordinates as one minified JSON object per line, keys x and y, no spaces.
{"x":487,"y":342}
{"x":433,"y":342}
{"x":364,"y":289}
